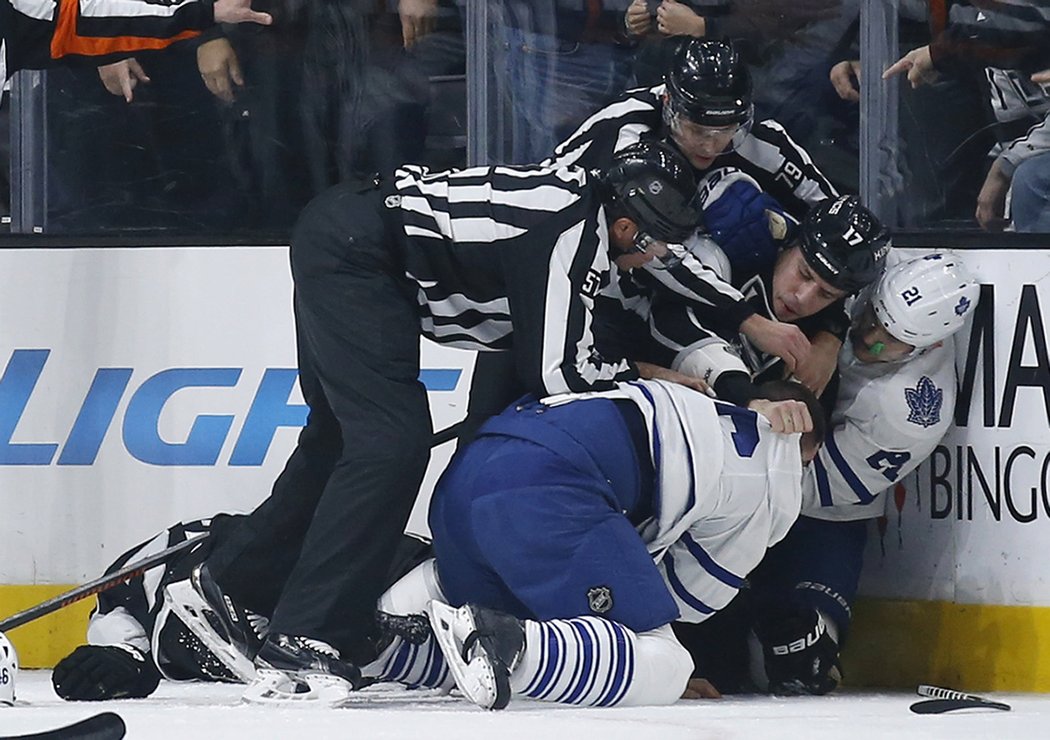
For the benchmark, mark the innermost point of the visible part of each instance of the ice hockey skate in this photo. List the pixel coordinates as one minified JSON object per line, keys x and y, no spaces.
{"x":184,"y":601}
{"x":482,"y":647}
{"x":242,"y":629}
{"x":292,"y":670}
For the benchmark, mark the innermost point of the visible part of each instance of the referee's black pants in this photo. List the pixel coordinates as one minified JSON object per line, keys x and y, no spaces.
{"x":318,"y":551}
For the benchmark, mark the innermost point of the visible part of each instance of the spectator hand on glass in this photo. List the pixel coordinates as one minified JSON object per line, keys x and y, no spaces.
{"x":121,"y":78}
{"x":220,"y":69}
{"x":918,"y":64}
{"x":637,"y":21}
{"x":675,"y":19}
{"x":991,"y":201}
{"x":239,"y":11}
{"x":845,"y":78}
{"x":417,"y":19}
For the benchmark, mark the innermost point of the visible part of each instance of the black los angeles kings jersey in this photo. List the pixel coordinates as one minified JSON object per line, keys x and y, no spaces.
{"x":781,"y":167}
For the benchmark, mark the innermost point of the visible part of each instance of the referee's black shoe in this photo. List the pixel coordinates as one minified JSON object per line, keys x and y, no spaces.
{"x":243,"y":629}
{"x":303,"y":657}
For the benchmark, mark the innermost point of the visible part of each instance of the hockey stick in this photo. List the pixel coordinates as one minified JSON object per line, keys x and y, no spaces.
{"x":105,"y":726}
{"x":104,"y":583}
{"x":128,"y":572}
{"x":947,"y":700}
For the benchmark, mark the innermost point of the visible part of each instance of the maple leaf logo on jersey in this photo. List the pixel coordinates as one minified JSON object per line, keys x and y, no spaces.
{"x":924,"y":402}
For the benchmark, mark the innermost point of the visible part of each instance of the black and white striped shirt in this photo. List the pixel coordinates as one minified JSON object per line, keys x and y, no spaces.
{"x":511,"y":258}
{"x":515,"y":257}
{"x":781,"y":167}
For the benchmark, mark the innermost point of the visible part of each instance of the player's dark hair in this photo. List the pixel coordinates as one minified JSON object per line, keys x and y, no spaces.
{"x":790,"y":390}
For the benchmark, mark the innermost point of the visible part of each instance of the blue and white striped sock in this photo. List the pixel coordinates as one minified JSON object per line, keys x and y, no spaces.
{"x":586,"y":661}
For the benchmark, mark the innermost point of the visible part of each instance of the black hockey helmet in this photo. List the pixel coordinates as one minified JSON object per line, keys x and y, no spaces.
{"x":709,"y":84}
{"x":654,"y":186}
{"x":844,"y":243}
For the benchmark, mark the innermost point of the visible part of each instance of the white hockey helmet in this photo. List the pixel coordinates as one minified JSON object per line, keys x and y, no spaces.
{"x":924,"y":300}
{"x":8,"y":671}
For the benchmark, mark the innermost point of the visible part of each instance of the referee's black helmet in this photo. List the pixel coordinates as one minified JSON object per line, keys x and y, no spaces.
{"x":652,"y":184}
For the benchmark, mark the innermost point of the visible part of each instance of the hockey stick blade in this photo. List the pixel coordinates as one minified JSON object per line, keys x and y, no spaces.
{"x":105,"y":726}
{"x":940,"y":706}
{"x":104,"y":583}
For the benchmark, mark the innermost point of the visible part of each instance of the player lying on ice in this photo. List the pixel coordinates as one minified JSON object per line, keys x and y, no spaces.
{"x":569,"y":534}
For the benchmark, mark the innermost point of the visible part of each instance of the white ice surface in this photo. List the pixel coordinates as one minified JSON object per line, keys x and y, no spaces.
{"x":201,"y":711}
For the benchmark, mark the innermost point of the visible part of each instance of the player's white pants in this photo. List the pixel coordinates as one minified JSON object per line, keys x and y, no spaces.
{"x":586,"y":661}
{"x":591,"y":661}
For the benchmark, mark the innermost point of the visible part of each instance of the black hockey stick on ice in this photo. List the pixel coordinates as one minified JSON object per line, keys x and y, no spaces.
{"x":947,"y":700}
{"x":97,"y":586}
{"x":105,"y":726}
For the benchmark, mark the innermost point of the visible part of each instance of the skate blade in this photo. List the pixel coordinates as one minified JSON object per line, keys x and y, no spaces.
{"x":277,"y":688}
{"x":182,"y":598}
{"x":474,"y":677}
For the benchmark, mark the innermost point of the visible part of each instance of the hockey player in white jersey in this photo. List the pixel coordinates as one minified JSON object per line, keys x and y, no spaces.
{"x":894,"y":403}
{"x":574,"y":530}
{"x":897,"y":385}
{"x":156,"y":627}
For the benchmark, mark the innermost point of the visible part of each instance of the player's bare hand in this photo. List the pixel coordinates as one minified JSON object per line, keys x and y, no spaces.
{"x":417,"y":19}
{"x":700,"y":688}
{"x":649,"y":371}
{"x":786,"y":417}
{"x":845,"y":78}
{"x":991,"y":201}
{"x":785,"y":340}
{"x":239,"y":11}
{"x":637,"y":20}
{"x":1041,"y":78}
{"x":918,"y":64}
{"x":121,"y":78}
{"x":220,"y":69}
{"x":676,"y":19}
{"x":816,"y":370}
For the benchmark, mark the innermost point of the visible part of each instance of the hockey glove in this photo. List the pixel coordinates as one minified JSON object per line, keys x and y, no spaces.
{"x":97,"y":672}
{"x":800,"y":656}
{"x":748,"y":224}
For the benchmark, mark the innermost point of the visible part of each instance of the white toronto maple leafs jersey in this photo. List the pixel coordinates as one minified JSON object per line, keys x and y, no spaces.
{"x":727,"y":488}
{"x":888,"y":418}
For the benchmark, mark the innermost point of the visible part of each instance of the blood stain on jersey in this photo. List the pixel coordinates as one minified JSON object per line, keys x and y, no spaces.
{"x":924,"y":402}
{"x":600,"y":599}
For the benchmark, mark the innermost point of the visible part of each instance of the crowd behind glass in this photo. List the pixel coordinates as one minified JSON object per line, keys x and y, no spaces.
{"x":232,"y":133}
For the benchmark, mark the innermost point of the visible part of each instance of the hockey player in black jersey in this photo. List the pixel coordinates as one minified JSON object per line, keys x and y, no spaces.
{"x":767,"y":182}
{"x":155,"y":626}
{"x":704,"y":108}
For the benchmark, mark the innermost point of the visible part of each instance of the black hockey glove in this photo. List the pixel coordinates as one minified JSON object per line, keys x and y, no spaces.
{"x":97,"y":672}
{"x":800,"y":656}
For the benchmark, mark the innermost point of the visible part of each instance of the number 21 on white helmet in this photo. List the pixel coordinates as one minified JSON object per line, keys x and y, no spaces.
{"x":924,"y":300}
